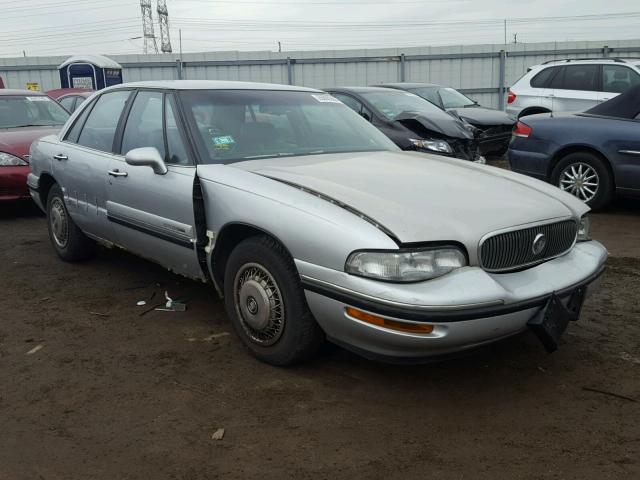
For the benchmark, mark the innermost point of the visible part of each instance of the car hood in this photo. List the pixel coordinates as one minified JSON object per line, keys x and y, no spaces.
{"x":484,"y":117}
{"x":420,"y":197}
{"x":17,"y":141}
{"x":441,"y":123}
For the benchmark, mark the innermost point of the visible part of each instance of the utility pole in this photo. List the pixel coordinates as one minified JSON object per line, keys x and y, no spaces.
{"x":147,"y":27}
{"x":505,"y":31}
{"x":163,"y":20}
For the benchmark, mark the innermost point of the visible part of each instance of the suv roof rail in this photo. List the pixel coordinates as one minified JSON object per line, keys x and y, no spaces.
{"x":600,"y":59}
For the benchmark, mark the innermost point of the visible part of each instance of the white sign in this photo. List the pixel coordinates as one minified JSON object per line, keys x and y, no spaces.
{"x":82,"y":82}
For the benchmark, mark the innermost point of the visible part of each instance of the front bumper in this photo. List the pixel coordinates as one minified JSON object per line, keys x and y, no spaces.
{"x":468,"y":307}
{"x":13,"y":183}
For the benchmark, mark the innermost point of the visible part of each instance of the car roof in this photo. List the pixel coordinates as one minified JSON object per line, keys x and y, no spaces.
{"x":359,"y":89}
{"x":15,"y":91}
{"x":211,"y":85}
{"x":568,"y":61}
{"x":409,"y":85}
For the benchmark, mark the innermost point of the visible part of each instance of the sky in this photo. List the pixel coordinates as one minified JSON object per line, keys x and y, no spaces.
{"x":66,"y":27}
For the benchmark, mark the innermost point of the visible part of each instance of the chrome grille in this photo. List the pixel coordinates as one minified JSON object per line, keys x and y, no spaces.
{"x":514,"y":249}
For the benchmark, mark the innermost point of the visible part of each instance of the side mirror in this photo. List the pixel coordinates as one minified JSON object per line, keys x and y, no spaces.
{"x":148,"y":157}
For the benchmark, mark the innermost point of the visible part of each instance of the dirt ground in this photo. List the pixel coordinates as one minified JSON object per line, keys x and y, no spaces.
{"x":112,"y":394}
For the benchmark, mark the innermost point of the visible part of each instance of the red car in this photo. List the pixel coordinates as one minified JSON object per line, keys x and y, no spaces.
{"x":25,"y":116}
{"x":70,"y":98}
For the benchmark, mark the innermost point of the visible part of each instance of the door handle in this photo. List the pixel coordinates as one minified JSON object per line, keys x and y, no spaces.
{"x":60,"y":157}
{"x":117,"y":173}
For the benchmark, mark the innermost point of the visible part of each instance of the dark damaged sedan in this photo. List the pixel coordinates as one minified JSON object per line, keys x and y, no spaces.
{"x":412,"y":122}
{"x":495,"y":125}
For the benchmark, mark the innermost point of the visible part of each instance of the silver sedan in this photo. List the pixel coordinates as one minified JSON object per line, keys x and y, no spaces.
{"x":311,"y":224}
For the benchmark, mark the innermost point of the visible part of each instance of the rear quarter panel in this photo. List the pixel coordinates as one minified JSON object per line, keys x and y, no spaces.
{"x":552,"y":137}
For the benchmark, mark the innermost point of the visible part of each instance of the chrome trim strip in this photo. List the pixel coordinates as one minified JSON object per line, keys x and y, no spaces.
{"x":392,"y":303}
{"x":523,"y":227}
{"x":630,"y":152}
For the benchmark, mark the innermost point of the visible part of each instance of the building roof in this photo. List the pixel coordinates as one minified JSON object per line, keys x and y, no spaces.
{"x":98,"y":60}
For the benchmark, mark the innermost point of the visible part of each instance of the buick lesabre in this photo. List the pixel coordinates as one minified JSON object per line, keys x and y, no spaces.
{"x":311,"y":224}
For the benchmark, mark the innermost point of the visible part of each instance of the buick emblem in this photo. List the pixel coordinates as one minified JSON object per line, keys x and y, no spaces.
{"x":538,"y":244}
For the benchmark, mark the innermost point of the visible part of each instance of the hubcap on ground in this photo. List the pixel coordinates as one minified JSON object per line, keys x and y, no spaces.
{"x":59,"y":223}
{"x":258,"y":303}
{"x":581,"y":180}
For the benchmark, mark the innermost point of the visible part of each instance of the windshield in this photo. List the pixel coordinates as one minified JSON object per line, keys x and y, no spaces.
{"x":236,"y":125}
{"x":25,"y":111}
{"x":428,"y":93}
{"x":452,"y":98}
{"x":391,"y":103}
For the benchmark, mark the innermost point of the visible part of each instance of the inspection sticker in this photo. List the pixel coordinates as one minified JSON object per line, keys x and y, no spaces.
{"x":325,"y":98}
{"x":224,"y":142}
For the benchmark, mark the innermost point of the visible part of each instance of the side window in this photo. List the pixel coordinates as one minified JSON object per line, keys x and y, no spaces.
{"x":349,"y":101}
{"x":67,"y":102}
{"x":580,"y":77}
{"x":100,"y":128}
{"x":74,"y":132}
{"x":177,"y":153}
{"x":144,"y":124}
{"x":543,"y":78}
{"x":618,"y":79}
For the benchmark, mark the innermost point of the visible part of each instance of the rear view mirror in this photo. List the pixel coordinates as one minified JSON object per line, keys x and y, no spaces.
{"x":147,"y":157}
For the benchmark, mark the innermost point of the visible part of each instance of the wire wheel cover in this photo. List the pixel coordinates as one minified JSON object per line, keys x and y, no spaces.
{"x":258,"y":303}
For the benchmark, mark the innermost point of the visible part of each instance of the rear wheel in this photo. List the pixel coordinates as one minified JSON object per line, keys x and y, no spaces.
{"x":266,"y":304}
{"x":67,"y":239}
{"x":584,"y":175}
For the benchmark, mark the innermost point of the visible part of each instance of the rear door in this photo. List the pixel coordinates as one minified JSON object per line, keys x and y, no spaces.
{"x":81,"y":161}
{"x":576,"y":88}
{"x":153,"y":215}
{"x":541,"y":92}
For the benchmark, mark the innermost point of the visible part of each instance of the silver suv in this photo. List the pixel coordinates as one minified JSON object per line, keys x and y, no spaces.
{"x":571,"y":85}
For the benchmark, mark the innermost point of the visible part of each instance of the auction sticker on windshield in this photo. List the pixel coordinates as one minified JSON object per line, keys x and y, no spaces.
{"x":325,"y":98}
{"x":224,"y":142}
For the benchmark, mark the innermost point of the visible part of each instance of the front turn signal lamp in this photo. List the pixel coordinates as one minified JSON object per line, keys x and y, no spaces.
{"x":584,"y":228}
{"x":388,"y":323}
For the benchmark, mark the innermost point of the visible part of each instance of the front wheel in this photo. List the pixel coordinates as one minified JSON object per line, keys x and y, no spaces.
{"x":584,"y":175}
{"x":67,"y":239}
{"x":266,"y":304}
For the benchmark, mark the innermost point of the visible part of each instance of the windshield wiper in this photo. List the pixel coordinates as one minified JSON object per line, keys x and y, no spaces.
{"x":32,"y":125}
{"x":270,"y":155}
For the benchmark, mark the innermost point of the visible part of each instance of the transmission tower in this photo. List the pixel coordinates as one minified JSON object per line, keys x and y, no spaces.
{"x":147,"y":27}
{"x":163,"y":19}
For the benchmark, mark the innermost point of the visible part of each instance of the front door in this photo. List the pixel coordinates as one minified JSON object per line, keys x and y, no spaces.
{"x":152,"y":214}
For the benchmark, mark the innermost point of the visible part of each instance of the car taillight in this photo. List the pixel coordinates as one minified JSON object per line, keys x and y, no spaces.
{"x":511,"y":97}
{"x":522,"y":130}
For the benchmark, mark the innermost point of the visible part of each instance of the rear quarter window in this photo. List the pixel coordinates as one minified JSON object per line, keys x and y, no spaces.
{"x":543,"y":79}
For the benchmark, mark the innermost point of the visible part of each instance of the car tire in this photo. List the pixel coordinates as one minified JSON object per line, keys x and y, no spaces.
{"x":592,"y":170}
{"x":67,"y":239}
{"x":265,"y":301}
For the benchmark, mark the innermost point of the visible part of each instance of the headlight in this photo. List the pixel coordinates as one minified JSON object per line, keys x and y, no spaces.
{"x":8,"y":160}
{"x":583,"y":229}
{"x":435,"y":145}
{"x":406,"y":266}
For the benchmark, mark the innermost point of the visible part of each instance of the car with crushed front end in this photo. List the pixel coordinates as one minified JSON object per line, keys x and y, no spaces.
{"x":494,"y":125}
{"x":311,"y":223}
{"x":412,"y":122}
{"x":25,"y":116}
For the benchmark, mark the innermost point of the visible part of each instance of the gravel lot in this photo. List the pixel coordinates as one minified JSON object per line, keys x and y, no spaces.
{"x":112,"y":394}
